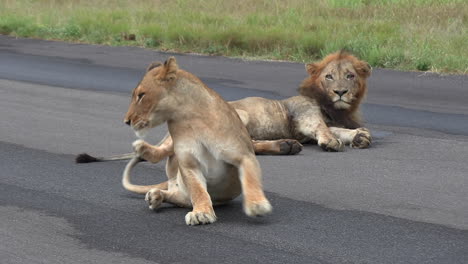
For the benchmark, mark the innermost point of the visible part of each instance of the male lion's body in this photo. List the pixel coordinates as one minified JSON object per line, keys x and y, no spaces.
{"x":212,"y":159}
{"x":280,"y":119}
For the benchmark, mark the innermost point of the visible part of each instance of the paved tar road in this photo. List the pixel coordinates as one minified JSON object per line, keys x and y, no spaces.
{"x":404,"y":200}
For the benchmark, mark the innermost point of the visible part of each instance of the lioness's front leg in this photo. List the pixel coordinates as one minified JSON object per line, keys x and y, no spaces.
{"x":255,"y":202}
{"x":195,"y":183}
{"x":356,"y":138}
{"x":154,"y":154}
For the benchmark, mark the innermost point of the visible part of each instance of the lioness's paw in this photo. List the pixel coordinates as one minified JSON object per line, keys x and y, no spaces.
{"x":261,"y":208}
{"x":289,"y":146}
{"x":333,"y":145}
{"x":139,"y":146}
{"x":199,"y":218}
{"x":154,"y":198}
{"x":363,"y":138}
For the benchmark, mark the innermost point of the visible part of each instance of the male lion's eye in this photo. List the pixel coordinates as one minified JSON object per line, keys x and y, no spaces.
{"x":329,"y":77}
{"x":350,"y":76}
{"x":140,"y":96}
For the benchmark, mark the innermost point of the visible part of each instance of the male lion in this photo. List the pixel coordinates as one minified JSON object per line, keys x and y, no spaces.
{"x":326,"y":111}
{"x":212,"y":158}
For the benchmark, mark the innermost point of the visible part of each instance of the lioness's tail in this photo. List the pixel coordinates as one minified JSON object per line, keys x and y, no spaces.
{"x":85,"y":158}
{"x":141,"y":189}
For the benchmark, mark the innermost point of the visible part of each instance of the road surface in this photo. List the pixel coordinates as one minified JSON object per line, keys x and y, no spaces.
{"x":404,"y":200}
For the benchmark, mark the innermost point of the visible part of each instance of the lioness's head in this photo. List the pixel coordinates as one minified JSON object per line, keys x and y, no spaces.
{"x":339,"y":81}
{"x":149,"y":104}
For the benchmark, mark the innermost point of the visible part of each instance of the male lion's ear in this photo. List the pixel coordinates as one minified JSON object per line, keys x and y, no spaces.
{"x":171,"y":68}
{"x":153,"y":65}
{"x":311,"y":68}
{"x":363,"y":69}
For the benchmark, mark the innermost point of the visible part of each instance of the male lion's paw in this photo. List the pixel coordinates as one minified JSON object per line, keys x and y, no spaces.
{"x":363,"y":138}
{"x":333,"y":145}
{"x":261,"y":208}
{"x":199,"y":218}
{"x":154,"y":198}
{"x":289,"y":146}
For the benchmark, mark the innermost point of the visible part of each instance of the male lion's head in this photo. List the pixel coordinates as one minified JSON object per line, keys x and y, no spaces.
{"x":338,"y":83}
{"x":149,"y":104}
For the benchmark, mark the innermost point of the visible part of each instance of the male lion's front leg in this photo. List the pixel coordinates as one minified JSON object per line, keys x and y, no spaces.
{"x":356,"y":138}
{"x":326,"y":140}
{"x":194,"y":181}
{"x":317,"y":129}
{"x":153,"y":154}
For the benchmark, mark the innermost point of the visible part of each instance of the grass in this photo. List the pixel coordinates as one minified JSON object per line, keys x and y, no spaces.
{"x":425,"y":35}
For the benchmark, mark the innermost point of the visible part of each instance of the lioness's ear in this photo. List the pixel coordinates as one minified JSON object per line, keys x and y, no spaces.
{"x":363,"y":69}
{"x":153,"y":65}
{"x":171,"y":68}
{"x":311,"y":68}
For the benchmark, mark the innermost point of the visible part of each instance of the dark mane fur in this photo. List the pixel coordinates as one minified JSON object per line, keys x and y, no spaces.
{"x":311,"y":87}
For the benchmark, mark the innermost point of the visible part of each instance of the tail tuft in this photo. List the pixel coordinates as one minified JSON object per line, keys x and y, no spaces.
{"x":85,"y":158}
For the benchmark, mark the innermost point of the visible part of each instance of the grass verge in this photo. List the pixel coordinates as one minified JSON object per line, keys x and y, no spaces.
{"x":425,"y":35}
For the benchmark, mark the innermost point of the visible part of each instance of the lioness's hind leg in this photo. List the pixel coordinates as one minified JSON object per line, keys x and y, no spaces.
{"x":255,"y":202}
{"x":172,"y":192}
{"x":155,"y":197}
{"x":277,"y":147}
{"x":194,"y":182}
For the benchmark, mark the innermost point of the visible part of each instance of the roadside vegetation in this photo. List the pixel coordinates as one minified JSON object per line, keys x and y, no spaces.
{"x":425,"y":35}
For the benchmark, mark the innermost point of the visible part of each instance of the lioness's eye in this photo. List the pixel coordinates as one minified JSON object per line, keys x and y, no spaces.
{"x":140,"y":95}
{"x":329,"y":77}
{"x":350,"y":76}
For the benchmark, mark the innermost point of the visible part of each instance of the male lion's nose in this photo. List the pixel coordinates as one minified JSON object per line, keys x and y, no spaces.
{"x":128,"y":122}
{"x":340,"y":92}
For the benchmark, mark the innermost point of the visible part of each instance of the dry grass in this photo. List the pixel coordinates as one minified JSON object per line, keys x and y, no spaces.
{"x":403,"y":34}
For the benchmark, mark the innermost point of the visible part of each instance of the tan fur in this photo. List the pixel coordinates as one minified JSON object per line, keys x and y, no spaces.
{"x":211,"y":157}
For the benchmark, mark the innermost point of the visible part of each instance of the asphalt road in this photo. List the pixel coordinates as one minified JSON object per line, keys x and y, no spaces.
{"x":405,"y":200}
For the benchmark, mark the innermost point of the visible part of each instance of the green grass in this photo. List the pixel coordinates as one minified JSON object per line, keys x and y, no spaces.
{"x":425,"y":35}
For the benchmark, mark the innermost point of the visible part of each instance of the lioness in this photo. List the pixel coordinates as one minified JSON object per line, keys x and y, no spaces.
{"x":212,"y":159}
